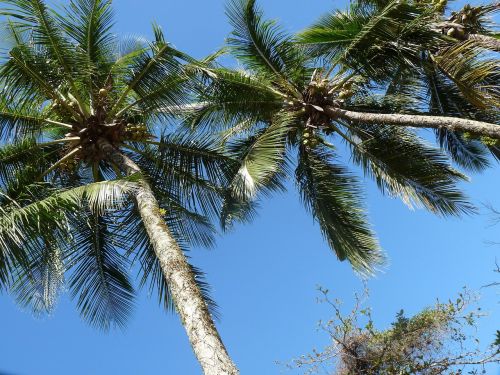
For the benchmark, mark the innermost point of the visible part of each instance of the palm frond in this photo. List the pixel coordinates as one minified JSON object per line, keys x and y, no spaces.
{"x":475,"y":75}
{"x":262,"y":158}
{"x":148,"y":70}
{"x":99,"y":272}
{"x":371,"y":40}
{"x":89,"y":23}
{"x":47,"y":32}
{"x":188,"y":168}
{"x":228,"y":97}
{"x":38,"y":284}
{"x":332,"y":195}
{"x":405,"y":167}
{"x":445,"y":99}
{"x":263,"y":47}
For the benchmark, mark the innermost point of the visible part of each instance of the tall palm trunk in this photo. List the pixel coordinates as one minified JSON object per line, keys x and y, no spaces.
{"x":418,"y":121}
{"x":202,"y":333}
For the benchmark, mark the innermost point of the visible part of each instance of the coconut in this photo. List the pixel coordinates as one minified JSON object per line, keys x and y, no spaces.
{"x":103,"y":93}
{"x":451,"y":32}
{"x":343,"y":94}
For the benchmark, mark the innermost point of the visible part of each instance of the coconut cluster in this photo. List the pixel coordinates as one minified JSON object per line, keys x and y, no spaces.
{"x":318,"y":95}
{"x":468,"y":17}
{"x":115,"y":133}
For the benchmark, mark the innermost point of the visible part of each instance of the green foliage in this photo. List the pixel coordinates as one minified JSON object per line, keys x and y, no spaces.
{"x":67,"y":220}
{"x":404,"y":166}
{"x":436,"y":340}
{"x":333,"y":197}
{"x":369,"y":59}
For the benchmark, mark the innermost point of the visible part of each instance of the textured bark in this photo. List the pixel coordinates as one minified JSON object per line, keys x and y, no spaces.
{"x":418,"y":121}
{"x":486,"y":41}
{"x":202,"y":333}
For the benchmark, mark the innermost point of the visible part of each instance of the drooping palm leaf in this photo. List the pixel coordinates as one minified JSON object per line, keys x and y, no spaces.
{"x":404,"y":166}
{"x":99,"y":278}
{"x":331,"y":194}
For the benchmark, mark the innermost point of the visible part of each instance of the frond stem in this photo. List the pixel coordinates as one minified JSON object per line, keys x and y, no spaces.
{"x":62,"y":160}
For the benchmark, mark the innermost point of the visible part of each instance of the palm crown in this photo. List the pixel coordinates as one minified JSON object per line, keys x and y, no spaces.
{"x":297,"y":96}
{"x":70,"y":85}
{"x":422,"y":60}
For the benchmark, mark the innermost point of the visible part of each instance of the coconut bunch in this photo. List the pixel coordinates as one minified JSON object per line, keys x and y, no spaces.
{"x":471,"y":18}
{"x":137,"y":132}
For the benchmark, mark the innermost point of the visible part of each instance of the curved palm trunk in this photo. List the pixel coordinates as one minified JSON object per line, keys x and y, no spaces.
{"x":486,"y":41}
{"x":202,"y":333}
{"x":418,"y":121}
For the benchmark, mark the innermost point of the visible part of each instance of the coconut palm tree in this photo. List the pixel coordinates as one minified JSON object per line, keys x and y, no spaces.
{"x":90,"y":177}
{"x":283,"y":100}
{"x":442,"y":62}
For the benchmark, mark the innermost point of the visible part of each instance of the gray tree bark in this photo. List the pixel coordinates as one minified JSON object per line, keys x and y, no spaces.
{"x":202,"y":333}
{"x":418,"y":121}
{"x":486,"y":41}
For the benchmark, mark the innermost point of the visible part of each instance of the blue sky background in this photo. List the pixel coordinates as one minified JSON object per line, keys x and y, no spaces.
{"x":264,"y":275}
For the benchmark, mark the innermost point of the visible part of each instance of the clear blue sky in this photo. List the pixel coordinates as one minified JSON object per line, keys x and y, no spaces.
{"x":264,"y":275}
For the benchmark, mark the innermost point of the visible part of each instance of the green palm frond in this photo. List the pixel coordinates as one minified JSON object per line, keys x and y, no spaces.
{"x":23,"y":154}
{"x":99,"y":278}
{"x":405,"y":167}
{"x":229,"y":97}
{"x":372,"y":40}
{"x":89,"y":23}
{"x":262,"y":158}
{"x":47,"y":31}
{"x":149,"y":70}
{"x":332,"y":195}
{"x":19,"y":123}
{"x":18,"y":222}
{"x":38,"y":284}
{"x":263,"y":47}
{"x":475,"y":75}
{"x":189,"y":169}
{"x":29,"y":73}
{"x":332,"y":34}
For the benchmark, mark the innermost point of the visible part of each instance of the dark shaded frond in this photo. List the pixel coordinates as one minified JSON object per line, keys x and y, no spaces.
{"x":404,"y":166}
{"x":99,"y":271}
{"x":189,"y":169}
{"x":446,"y":99}
{"x":332,"y":195}
{"x":38,"y":284}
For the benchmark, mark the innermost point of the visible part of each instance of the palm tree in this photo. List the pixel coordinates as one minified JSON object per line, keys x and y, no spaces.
{"x":441,"y":63}
{"x":90,"y":177}
{"x":281,"y":102}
